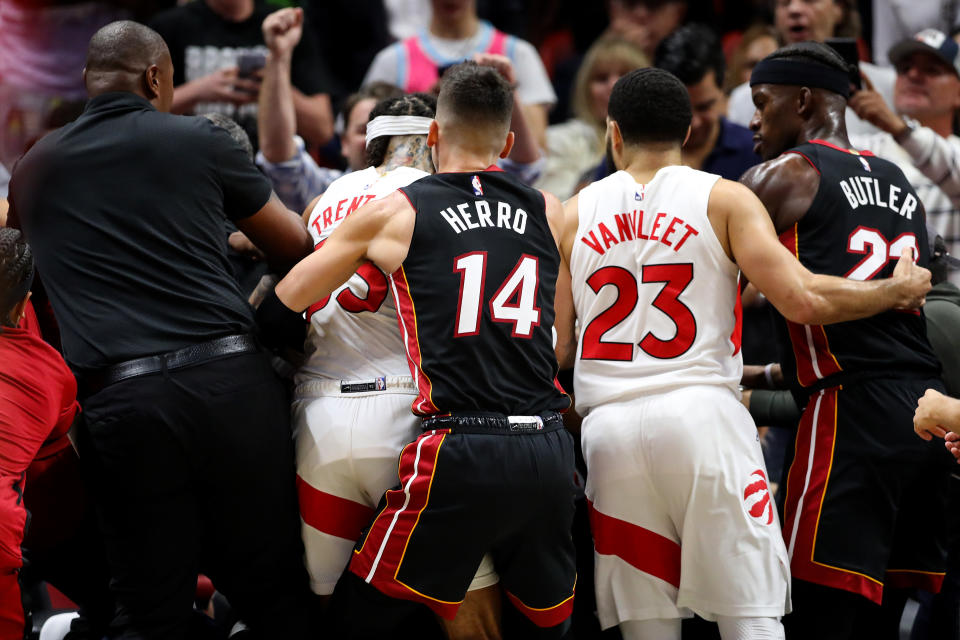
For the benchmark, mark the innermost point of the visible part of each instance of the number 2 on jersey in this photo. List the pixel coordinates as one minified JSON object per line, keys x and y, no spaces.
{"x":675,"y":279}
{"x":515,"y":302}
{"x":879,"y":252}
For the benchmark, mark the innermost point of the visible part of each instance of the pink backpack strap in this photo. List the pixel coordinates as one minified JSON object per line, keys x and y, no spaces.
{"x":498,"y":43}
{"x":421,"y":70}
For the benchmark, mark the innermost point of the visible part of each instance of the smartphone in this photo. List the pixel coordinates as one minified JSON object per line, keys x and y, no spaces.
{"x":847,"y":48}
{"x":250,"y":62}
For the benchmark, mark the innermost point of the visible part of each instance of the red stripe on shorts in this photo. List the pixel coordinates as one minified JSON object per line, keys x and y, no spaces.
{"x":547,"y":617}
{"x":643,"y":549}
{"x":332,"y":514}
{"x":380,"y":557}
{"x":908,"y":579}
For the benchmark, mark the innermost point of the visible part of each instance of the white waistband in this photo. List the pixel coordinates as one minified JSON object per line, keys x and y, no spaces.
{"x":356,"y":388}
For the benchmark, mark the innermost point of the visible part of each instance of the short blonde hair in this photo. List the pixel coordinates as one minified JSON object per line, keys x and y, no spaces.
{"x":605,"y":49}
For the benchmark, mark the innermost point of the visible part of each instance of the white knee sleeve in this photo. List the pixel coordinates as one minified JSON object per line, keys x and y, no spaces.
{"x":657,"y":629}
{"x":750,"y":628}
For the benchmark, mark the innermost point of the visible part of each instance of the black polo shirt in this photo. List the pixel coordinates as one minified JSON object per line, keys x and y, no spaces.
{"x":124,"y":210}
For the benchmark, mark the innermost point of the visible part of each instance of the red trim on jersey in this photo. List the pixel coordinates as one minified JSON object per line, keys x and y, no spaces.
{"x":408,"y":198}
{"x":811,"y":350}
{"x":547,"y":617}
{"x":737,"y":336}
{"x":332,"y":514}
{"x":407,"y":319}
{"x":819,"y":358}
{"x":852,"y":152}
{"x":802,"y":155}
{"x":910,"y":579}
{"x":806,"y":487}
{"x":380,"y":557}
{"x":643,"y":549}
{"x":492,"y":167}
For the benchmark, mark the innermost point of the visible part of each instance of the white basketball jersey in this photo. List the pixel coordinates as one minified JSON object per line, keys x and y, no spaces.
{"x":654,"y":291}
{"x":353,"y":333}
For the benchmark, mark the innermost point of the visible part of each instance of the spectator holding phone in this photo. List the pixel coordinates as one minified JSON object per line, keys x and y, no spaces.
{"x":817,"y":20}
{"x":917,"y":131}
{"x":218,"y":52}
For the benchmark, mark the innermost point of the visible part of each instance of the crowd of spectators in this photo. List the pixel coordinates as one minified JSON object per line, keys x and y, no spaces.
{"x":302,"y":101}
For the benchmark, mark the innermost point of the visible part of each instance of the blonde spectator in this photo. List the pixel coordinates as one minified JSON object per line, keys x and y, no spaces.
{"x":757,"y":43}
{"x":576,"y":145}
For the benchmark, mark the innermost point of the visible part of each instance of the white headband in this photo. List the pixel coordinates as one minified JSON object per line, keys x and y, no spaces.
{"x":397,"y":126}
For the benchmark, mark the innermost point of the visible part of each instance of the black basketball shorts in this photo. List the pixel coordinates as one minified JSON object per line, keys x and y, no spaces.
{"x":470,"y":485}
{"x":866,"y":497}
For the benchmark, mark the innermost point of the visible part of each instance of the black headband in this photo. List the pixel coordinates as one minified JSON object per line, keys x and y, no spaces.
{"x":802,"y":74}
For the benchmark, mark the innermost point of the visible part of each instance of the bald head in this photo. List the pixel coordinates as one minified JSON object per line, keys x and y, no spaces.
{"x":120,"y":57}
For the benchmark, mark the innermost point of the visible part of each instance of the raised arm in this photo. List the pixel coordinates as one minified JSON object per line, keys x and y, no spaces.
{"x":379,"y":232}
{"x":276,"y":118}
{"x":802,"y":296}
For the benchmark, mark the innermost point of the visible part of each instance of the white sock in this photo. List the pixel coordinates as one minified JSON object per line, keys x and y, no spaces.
{"x":656,"y":629}
{"x":750,"y":628}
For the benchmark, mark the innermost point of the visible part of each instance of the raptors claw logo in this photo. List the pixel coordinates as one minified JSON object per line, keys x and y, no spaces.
{"x":756,"y":498}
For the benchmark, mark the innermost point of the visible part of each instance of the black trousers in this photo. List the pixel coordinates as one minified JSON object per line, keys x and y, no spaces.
{"x":192,"y":470}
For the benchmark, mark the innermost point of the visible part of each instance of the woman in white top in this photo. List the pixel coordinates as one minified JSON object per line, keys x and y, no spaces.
{"x":576,"y":145}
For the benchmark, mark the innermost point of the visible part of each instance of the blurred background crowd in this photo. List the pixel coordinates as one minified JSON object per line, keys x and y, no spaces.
{"x":306,"y":120}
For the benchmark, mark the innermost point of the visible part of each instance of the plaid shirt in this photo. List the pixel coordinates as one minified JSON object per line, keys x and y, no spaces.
{"x":298,"y":180}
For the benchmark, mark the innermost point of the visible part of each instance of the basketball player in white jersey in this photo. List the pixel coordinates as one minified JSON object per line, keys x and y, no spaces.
{"x":351,"y":409}
{"x":682,"y":516}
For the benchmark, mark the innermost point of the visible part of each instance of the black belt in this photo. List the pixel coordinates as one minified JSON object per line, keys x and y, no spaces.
{"x":94,"y":381}
{"x":482,"y":422}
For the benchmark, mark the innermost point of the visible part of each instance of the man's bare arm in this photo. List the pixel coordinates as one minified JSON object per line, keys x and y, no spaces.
{"x":379,"y":232}
{"x":566,"y":315}
{"x":786,"y":186}
{"x":802,"y":296}
{"x":314,"y":117}
{"x":276,"y":117}
{"x":278,"y":232}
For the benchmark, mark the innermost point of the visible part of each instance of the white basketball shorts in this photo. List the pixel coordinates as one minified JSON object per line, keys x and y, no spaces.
{"x":348,"y":444}
{"x":682,"y":517}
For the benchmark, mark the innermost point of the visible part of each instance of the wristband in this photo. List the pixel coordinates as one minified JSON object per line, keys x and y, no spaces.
{"x":280,"y":326}
{"x":768,"y":376}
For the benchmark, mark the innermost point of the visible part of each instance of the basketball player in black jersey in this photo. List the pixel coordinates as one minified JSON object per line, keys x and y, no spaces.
{"x":863,"y":494}
{"x":474,"y":263}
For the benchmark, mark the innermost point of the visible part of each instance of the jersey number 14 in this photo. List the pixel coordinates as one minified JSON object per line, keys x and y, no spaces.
{"x":515,"y":302}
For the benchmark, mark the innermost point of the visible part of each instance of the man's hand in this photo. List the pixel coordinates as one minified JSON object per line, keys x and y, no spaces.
{"x":501,"y":63}
{"x":952,"y":442}
{"x":870,"y":106}
{"x":935,"y":414}
{"x":282,"y":31}
{"x":223,"y":86}
{"x":239,"y":242}
{"x":912,"y":281}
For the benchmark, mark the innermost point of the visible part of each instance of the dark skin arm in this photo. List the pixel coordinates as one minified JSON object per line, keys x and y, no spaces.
{"x":786,"y":186}
{"x":279,"y":233}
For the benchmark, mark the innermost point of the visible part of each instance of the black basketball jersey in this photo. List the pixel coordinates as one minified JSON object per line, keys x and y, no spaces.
{"x":475,"y":296}
{"x":863,"y":215}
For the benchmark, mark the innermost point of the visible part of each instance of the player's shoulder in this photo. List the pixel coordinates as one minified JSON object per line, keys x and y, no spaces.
{"x":352,"y":181}
{"x":778,"y":177}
